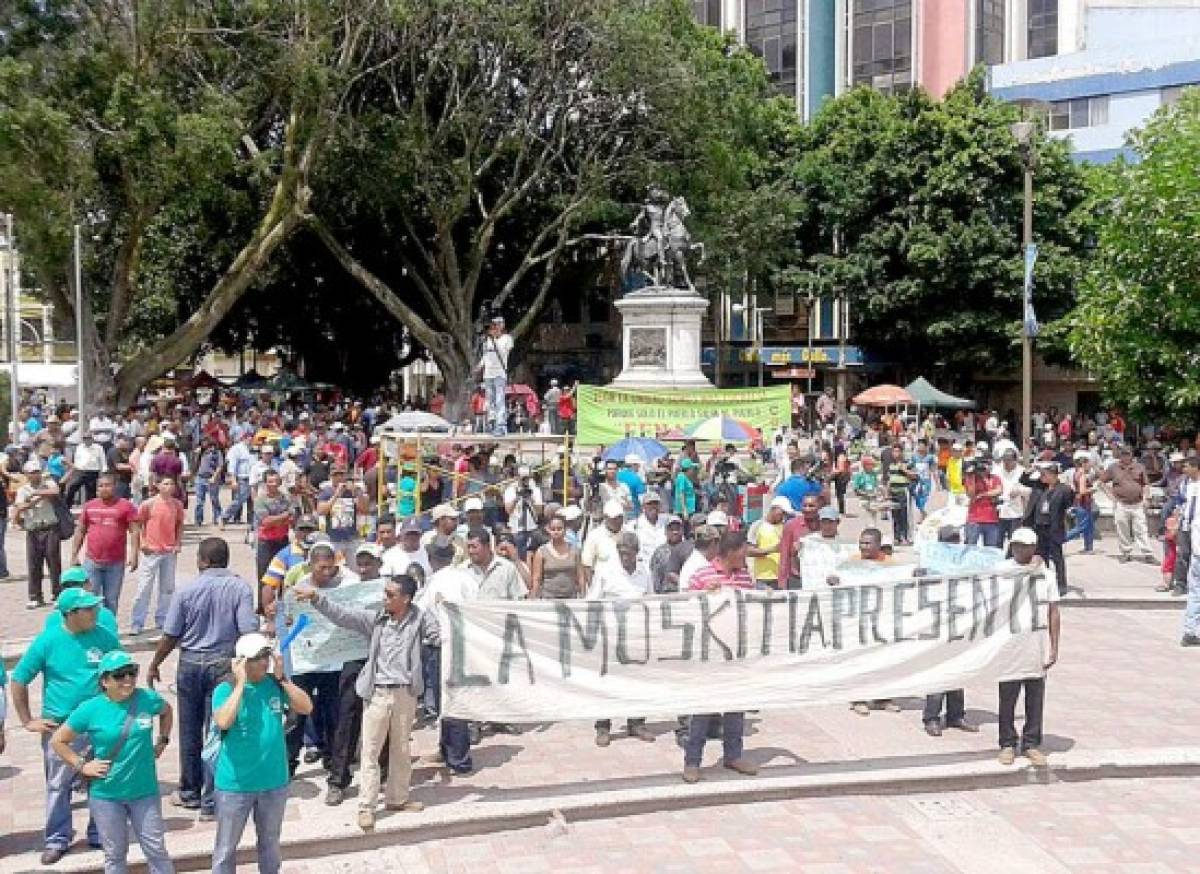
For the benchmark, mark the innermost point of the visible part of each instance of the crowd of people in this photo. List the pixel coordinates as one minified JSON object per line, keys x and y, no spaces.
{"x":326,"y":501}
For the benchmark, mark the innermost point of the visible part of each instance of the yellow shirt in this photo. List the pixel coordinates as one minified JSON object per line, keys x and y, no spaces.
{"x":954,"y":475}
{"x":767,"y":536}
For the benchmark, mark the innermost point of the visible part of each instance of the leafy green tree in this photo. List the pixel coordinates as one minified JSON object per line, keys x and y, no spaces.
{"x":924,"y":198}
{"x":1137,"y":323}
{"x":182,"y":136}
{"x":489,"y":140}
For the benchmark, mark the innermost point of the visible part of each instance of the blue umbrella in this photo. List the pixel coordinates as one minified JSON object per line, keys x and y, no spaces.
{"x":645,"y":448}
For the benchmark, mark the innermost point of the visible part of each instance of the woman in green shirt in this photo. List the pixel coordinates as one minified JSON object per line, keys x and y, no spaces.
{"x":124,"y":781}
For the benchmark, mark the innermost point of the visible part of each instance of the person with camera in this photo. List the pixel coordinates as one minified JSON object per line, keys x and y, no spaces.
{"x":493,"y":369}
{"x":523,"y":503}
{"x":984,"y":491}
{"x":340,"y":503}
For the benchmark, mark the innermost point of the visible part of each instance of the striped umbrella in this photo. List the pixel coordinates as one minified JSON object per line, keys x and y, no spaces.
{"x":725,"y":429}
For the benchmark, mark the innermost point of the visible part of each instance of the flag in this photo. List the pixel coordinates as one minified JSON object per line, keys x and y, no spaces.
{"x":1031,"y":327}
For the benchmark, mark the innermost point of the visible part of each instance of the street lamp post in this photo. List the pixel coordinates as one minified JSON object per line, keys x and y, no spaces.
{"x":8,"y":269}
{"x":1023,"y":131}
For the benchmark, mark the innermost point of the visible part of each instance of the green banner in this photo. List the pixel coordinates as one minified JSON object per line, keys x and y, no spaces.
{"x":607,"y":415}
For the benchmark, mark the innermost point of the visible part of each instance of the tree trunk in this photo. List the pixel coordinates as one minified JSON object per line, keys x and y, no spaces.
{"x":456,"y":376}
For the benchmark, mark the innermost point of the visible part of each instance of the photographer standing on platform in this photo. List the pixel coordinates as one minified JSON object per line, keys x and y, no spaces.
{"x":493,"y":362}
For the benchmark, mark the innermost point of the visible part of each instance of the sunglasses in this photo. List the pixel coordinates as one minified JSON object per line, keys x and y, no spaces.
{"x":124,"y":674}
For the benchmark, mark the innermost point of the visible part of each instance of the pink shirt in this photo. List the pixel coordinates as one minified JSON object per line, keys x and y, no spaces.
{"x":714,"y":574}
{"x":160,"y":520}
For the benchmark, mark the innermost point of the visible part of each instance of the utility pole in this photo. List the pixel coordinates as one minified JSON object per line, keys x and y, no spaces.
{"x":13,"y":318}
{"x":1024,"y":131}
{"x":83,"y":420}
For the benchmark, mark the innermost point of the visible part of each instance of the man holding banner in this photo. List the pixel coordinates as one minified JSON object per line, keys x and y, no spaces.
{"x":727,"y":570}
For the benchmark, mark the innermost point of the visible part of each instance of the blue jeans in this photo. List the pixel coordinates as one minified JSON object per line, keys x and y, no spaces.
{"x":3,"y":554}
{"x":198,"y":676}
{"x":1085,"y":526}
{"x":322,"y":686}
{"x":233,"y":809}
{"x":496,"y":405}
{"x":431,"y":666}
{"x":212,"y":491}
{"x":113,"y":819}
{"x":988,"y":531}
{"x":157,"y":567}
{"x":732,"y":726}
{"x":1191,"y":615}
{"x":59,"y":779}
{"x":107,"y":578}
{"x":241,"y":498}
{"x":455,"y":744}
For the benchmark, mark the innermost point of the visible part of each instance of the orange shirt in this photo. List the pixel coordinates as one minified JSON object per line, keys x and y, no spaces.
{"x":160,"y":520}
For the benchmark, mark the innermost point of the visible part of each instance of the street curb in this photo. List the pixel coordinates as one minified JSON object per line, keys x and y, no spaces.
{"x":482,"y":818}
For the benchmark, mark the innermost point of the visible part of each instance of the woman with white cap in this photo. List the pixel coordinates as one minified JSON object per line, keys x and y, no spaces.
{"x":123,"y":791}
{"x":252,"y":762}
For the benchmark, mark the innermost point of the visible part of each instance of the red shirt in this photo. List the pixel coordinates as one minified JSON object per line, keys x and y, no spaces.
{"x":792,"y":531}
{"x":982,"y":511}
{"x":714,"y":573}
{"x":566,"y":406}
{"x":107,"y":526}
{"x":160,"y":519}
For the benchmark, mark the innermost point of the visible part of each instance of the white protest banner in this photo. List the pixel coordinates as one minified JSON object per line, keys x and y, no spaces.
{"x":322,"y":646}
{"x":882,"y":637}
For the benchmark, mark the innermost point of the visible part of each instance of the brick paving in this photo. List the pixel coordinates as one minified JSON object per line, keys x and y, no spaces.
{"x":1122,"y":682}
{"x":1112,"y":827}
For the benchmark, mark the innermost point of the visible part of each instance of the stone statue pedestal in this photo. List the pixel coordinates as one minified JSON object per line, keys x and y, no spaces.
{"x":660,"y":339}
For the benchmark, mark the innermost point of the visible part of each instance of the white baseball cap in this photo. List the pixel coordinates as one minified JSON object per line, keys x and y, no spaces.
{"x":613,"y":508}
{"x":571,"y":512}
{"x":1026,"y":536}
{"x":782,"y":503}
{"x":472,"y":504}
{"x":441,"y":511}
{"x":717,"y":517}
{"x":249,"y":646}
{"x":372,"y":549}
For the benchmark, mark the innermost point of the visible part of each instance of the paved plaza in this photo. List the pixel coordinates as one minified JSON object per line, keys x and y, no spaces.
{"x":1121,"y":705}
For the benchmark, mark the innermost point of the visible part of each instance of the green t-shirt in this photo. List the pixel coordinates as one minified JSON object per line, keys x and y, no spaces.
{"x":104,"y":619}
{"x":69,"y":664}
{"x":253,"y":754}
{"x":132,"y":775}
{"x":685,"y":495}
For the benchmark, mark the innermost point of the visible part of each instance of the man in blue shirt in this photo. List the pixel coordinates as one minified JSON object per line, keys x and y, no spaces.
{"x":796,"y":486}
{"x":206,"y":618}
{"x":237,"y":466}
{"x":631,"y":475}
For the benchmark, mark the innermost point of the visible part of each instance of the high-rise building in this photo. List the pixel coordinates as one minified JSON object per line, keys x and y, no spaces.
{"x":814,"y":49}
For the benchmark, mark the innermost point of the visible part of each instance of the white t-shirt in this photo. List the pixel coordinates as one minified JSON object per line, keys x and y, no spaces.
{"x":455,"y":584}
{"x":495,"y":355}
{"x":523,"y":518}
{"x":650,"y":535}
{"x":90,"y":458}
{"x":599,"y":547}
{"x":694,"y":562}
{"x":613,"y":581}
{"x":397,"y":559}
{"x":1010,"y":507}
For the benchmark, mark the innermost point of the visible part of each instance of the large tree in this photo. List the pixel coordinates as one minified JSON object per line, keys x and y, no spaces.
{"x":490,"y":138}
{"x":1137,"y":324}
{"x":182,"y":136}
{"x":924,"y":199}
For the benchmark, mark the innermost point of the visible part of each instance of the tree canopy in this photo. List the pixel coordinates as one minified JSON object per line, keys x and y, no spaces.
{"x":925,"y":198}
{"x":1137,"y":325}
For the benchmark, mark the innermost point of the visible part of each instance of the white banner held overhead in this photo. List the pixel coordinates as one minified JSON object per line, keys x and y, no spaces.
{"x":536,"y":661}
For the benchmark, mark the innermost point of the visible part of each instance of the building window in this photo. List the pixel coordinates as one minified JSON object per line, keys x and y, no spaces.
{"x":882,"y":55}
{"x":1043,"y":28}
{"x":1081,"y":112}
{"x":771,"y":34}
{"x":1171,"y":94}
{"x":707,"y":12}
{"x":989,"y":31}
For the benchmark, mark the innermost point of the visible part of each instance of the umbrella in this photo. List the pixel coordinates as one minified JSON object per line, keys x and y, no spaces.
{"x":202,"y":379}
{"x":644,"y":448}
{"x":724,"y":428}
{"x":883,"y":396}
{"x":528,"y":396}
{"x":286,"y":381}
{"x":250,"y":379}
{"x":415,"y":420}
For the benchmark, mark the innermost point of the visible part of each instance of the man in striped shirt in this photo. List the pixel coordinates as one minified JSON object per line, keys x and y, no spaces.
{"x":728,"y":569}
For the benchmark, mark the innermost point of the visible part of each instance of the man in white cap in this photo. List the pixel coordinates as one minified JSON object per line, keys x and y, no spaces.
{"x":445,"y":530}
{"x":601,"y":543}
{"x":572,"y":514}
{"x":408,"y":552}
{"x":631,"y":476}
{"x":650,"y":528}
{"x":493,"y":362}
{"x":1012,"y":493}
{"x":764,"y":538}
{"x":472,"y":517}
{"x":1024,"y":557}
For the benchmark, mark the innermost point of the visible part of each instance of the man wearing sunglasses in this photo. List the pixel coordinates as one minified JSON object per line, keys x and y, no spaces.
{"x":68,"y":659}
{"x":391,"y":682}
